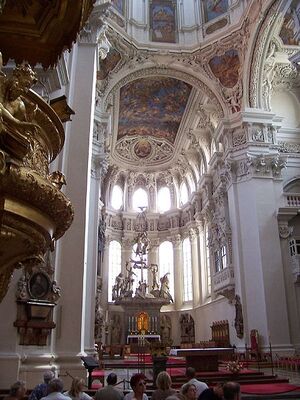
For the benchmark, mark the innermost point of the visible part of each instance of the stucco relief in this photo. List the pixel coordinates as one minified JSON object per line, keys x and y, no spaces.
{"x":287,"y":147}
{"x":259,"y":55}
{"x":148,"y":151}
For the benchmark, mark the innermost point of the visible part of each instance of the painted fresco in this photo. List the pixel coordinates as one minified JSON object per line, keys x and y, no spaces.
{"x":290,"y":30}
{"x":226,"y":68}
{"x":108,"y":64}
{"x":163,"y":21}
{"x":214,"y":9}
{"x":119,"y":5}
{"x":152,"y":107}
{"x":142,"y":148}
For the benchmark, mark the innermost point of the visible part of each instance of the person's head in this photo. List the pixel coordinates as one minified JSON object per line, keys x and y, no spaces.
{"x":76,"y":387}
{"x":218,"y":389}
{"x":111,"y":379}
{"x":48,"y":376}
{"x":56,"y":385}
{"x":163,"y":381}
{"x":231,"y":391}
{"x":190,"y":373}
{"x":18,"y":389}
{"x":137,"y":383}
{"x":189,"y":391}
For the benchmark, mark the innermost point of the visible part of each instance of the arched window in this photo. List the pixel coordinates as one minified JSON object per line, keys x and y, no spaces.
{"x":187,"y":271}
{"x":139,"y":199}
{"x":117,"y":197}
{"x":184,"y":194}
{"x":164,"y":199}
{"x":166,"y":263}
{"x":114,"y":262}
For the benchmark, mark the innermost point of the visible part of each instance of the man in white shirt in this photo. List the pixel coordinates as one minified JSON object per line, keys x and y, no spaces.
{"x":55,"y":389}
{"x":191,"y":375}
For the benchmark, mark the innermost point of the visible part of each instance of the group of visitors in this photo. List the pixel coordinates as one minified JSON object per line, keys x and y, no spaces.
{"x":193,"y":389}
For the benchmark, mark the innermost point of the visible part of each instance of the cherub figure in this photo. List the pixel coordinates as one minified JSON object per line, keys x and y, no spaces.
{"x":15,"y":115}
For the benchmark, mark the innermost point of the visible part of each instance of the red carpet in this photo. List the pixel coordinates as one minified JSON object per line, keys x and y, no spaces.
{"x":268,"y":388}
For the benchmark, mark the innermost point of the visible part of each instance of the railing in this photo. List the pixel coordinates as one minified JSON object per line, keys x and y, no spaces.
{"x":224,"y":279}
{"x":292,"y":199}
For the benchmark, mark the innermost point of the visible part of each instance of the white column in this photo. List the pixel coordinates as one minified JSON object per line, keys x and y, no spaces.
{"x":72,"y":257}
{"x":195,"y":266}
{"x":178,"y":281}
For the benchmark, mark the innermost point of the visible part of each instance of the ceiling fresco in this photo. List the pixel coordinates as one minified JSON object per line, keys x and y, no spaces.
{"x":152,"y":107}
{"x":226,"y":68}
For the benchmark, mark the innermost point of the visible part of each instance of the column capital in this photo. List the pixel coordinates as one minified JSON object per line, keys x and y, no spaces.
{"x":94,"y":32}
{"x":285,"y":231}
{"x":176,"y":240}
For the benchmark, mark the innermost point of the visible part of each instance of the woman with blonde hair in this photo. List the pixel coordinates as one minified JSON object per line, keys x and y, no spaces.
{"x":189,"y":391}
{"x":76,"y":392}
{"x":164,"y":390}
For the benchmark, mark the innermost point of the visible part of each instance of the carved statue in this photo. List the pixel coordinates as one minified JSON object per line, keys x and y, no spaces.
{"x":15,"y":114}
{"x":141,"y":289}
{"x":187,"y":326}
{"x":154,"y":270}
{"x":116,"y":330}
{"x":164,"y":290}
{"x":238,"y":322}
{"x":165,"y":329}
{"x":55,"y":291}
{"x":118,"y":287}
{"x":22,"y":293}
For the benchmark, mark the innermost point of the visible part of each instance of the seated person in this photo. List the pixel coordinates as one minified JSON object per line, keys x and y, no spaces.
{"x":138,"y":385}
{"x":163,"y":383}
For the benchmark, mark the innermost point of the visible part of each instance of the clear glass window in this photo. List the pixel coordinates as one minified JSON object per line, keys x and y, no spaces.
{"x":163,"y":199}
{"x":117,"y":197}
{"x":166,"y":263}
{"x":184,"y":194}
{"x":139,"y":199}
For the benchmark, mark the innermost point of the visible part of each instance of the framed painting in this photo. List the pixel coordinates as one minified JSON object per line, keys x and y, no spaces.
{"x":214,"y":9}
{"x":163,"y":21}
{"x":39,"y":285}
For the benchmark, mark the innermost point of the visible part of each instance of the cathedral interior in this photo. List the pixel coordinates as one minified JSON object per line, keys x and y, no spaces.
{"x":149,"y":178}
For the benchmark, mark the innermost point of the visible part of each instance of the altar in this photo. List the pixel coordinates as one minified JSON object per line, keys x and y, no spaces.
{"x":141,"y":338}
{"x":204,"y":359}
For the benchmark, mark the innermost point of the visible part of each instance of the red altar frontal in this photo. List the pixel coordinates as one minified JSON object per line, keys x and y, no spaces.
{"x":204,"y":359}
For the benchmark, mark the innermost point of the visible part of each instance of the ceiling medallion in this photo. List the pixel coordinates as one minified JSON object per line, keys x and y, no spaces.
{"x":142,"y":148}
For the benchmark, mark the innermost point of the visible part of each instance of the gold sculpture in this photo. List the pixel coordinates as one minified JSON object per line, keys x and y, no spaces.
{"x":33,"y":210}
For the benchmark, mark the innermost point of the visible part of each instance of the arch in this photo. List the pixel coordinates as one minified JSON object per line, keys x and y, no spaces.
{"x":257,"y":53}
{"x":201,"y":83}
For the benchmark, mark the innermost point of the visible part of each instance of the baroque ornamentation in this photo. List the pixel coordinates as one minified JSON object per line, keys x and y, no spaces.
{"x":34,"y":212}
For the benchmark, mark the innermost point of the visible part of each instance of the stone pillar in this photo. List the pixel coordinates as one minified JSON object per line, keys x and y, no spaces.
{"x":193,"y":233}
{"x":99,"y":168}
{"x":178,"y":278}
{"x":73,"y":261}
